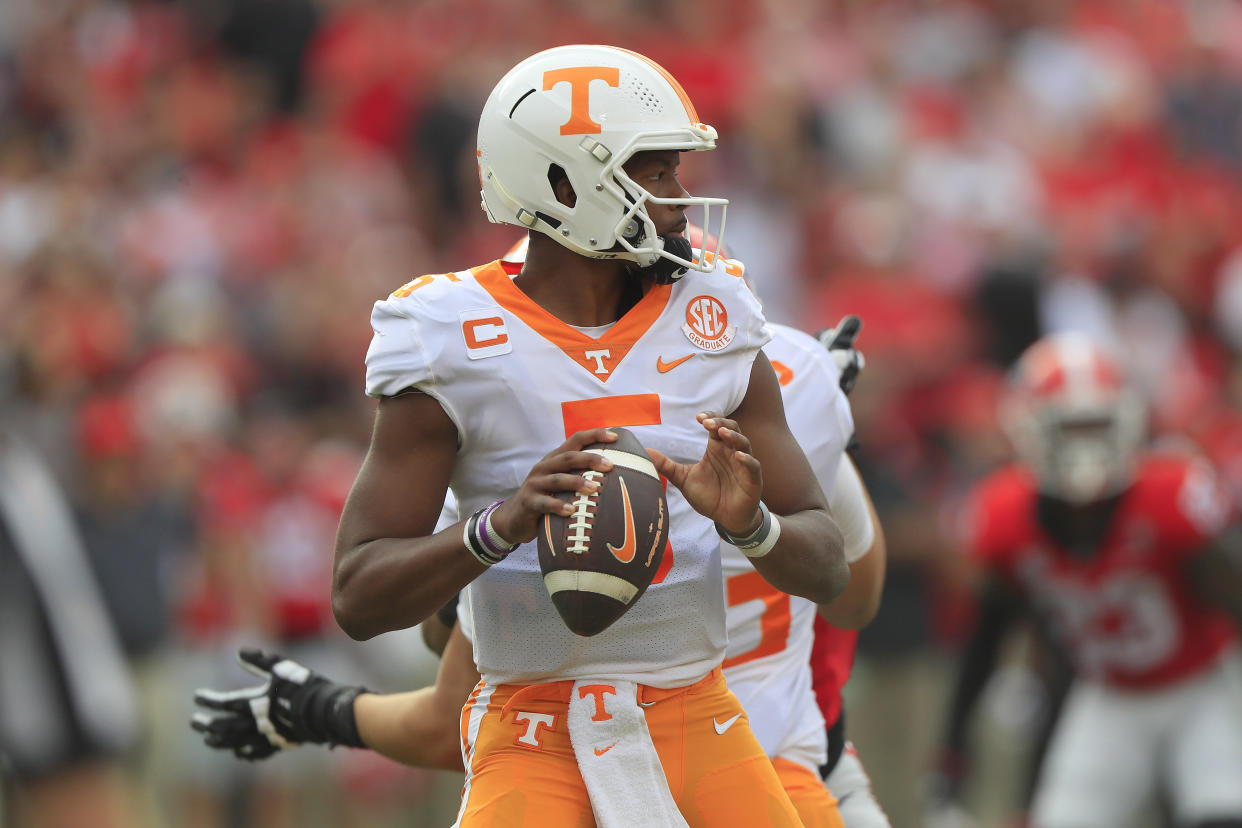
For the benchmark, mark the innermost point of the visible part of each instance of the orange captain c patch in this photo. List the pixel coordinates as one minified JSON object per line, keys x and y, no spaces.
{"x":484,"y":333}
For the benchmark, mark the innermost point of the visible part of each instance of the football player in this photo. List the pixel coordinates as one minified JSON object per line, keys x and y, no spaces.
{"x":1119,"y":553}
{"x":770,"y":634}
{"x":493,"y":384}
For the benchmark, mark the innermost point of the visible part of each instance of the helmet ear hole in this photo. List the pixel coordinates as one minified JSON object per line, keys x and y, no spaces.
{"x":562,"y":189}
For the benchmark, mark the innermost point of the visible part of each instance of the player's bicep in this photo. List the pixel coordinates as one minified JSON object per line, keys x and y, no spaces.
{"x":789,"y":483}
{"x":401,"y":486}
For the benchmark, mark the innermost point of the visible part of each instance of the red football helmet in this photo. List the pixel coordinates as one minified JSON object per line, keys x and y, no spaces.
{"x":1073,"y":419}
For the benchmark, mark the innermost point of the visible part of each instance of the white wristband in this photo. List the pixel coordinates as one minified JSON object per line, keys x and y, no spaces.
{"x":765,"y":546}
{"x":759,"y":542}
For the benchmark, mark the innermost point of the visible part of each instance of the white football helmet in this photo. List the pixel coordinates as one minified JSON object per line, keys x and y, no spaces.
{"x":1073,"y":420}
{"x":588,"y":109}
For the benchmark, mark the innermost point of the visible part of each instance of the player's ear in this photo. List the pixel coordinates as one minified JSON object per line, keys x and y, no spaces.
{"x":561,"y":187}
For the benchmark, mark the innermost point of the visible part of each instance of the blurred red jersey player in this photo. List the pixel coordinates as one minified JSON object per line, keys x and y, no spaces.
{"x":1118,"y":551}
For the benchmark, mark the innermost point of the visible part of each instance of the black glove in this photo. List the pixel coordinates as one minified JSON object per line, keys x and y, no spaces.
{"x":293,"y":704}
{"x":840,"y":343}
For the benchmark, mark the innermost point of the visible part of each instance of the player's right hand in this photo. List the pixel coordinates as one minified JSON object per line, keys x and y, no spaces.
{"x":517,"y":519}
{"x":293,"y":704}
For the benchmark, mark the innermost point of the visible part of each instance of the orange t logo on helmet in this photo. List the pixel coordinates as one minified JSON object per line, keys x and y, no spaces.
{"x":579,"y":79}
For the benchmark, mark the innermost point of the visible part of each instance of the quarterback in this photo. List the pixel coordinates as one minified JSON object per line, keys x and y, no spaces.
{"x":770,"y":634}
{"x":766,"y":665}
{"x":491,"y":384}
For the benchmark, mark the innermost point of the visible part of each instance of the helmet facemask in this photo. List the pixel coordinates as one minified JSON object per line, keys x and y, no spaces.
{"x":636,"y":231}
{"x":1084,"y":457}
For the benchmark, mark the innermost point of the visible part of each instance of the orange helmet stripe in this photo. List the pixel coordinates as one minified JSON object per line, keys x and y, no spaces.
{"x":681,"y":93}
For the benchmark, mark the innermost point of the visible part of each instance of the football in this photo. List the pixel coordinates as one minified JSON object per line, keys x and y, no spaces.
{"x":598,"y":561}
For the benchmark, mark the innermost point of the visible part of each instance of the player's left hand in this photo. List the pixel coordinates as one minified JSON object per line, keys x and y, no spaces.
{"x":294,"y":704}
{"x":839,"y":341}
{"x":726,"y":484}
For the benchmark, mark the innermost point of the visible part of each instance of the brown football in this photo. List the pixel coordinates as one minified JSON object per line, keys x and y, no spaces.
{"x":598,"y":561}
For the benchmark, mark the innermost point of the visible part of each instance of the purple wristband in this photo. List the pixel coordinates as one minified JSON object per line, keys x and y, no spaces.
{"x":486,"y":534}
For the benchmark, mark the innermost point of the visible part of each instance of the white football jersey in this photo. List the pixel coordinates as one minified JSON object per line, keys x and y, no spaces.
{"x":770,"y":633}
{"x":517,"y":381}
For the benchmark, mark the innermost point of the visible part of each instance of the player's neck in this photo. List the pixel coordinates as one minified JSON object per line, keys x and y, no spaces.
{"x":1080,"y":528}
{"x":573,"y":288}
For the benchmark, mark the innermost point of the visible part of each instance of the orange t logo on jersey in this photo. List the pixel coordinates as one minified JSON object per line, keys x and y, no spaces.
{"x":579,"y":79}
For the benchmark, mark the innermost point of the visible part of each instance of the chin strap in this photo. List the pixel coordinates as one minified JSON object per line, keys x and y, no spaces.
{"x":666,"y":271}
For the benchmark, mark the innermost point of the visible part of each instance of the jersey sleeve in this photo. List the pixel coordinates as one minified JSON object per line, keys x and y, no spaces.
{"x":396,"y":359}
{"x":849,"y":508}
{"x":758,"y":331}
{"x":752,"y":330}
{"x":816,"y":409}
{"x":833,"y":422}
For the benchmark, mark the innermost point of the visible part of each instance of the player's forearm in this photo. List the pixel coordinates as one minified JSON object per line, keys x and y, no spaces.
{"x":394,"y":583}
{"x":854,"y":608}
{"x":808,"y":559}
{"x":408,"y":728}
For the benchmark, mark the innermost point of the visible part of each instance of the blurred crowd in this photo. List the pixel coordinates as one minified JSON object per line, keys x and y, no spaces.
{"x":200,"y":200}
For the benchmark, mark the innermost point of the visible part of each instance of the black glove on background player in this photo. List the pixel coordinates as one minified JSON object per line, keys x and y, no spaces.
{"x":293,"y":704}
{"x":840,"y":343}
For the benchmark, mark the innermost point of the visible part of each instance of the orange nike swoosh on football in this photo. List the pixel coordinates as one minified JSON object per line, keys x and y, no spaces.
{"x":664,"y":367}
{"x":625,"y":552}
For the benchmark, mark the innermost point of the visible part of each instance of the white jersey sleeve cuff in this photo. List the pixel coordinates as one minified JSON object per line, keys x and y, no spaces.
{"x":849,"y":508}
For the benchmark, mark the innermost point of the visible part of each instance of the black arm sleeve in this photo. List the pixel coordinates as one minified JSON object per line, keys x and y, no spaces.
{"x":1057,"y":672}
{"x":448,"y":613}
{"x":1000,"y":607}
{"x":1215,"y":573}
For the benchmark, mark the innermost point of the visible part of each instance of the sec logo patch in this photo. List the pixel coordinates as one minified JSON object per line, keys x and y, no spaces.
{"x":707,"y":324}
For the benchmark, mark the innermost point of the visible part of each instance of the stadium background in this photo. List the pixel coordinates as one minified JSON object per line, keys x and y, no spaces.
{"x":200,"y":200}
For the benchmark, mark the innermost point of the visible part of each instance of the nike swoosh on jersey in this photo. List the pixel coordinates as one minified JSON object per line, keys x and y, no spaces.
{"x":645,"y":704}
{"x":625,"y":552}
{"x":602,"y":751}
{"x":664,"y":367}
{"x":721,"y":727}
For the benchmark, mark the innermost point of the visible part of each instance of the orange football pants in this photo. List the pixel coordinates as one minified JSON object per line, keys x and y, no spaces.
{"x":815,"y":805}
{"x":521,"y":771}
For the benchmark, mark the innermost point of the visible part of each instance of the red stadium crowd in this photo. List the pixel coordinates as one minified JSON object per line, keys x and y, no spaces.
{"x":200,"y":201}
